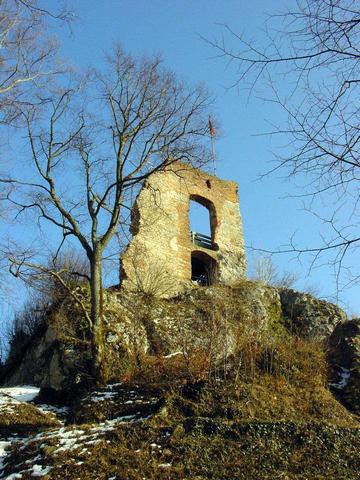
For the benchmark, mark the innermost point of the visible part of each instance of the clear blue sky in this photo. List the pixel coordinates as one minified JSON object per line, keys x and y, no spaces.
{"x":172,"y":28}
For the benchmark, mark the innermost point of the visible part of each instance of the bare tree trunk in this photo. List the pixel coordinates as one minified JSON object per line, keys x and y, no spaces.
{"x":97,"y":334}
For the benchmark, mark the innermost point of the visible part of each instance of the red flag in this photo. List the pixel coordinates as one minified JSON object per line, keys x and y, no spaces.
{"x":211,"y":128}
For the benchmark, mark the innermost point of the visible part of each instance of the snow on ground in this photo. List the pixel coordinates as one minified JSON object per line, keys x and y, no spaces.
{"x":101,"y":396}
{"x":67,"y":438}
{"x":10,"y":397}
{"x":175,"y":354}
{"x":4,"y":444}
{"x":24,"y":393}
{"x":344,"y":377}
{"x":58,"y":411}
{"x":111,"y":394}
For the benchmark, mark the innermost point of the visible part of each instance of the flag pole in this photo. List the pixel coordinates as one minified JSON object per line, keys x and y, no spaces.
{"x":213,"y":153}
{"x":212,"y":139}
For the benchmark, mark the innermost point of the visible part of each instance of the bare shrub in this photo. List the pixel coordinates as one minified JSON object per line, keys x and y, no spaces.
{"x":71,"y":269}
{"x":171,"y":371}
{"x":150,"y":278}
{"x":264,"y":270}
{"x":46,"y":293}
{"x":238,"y":347}
{"x":25,"y":324}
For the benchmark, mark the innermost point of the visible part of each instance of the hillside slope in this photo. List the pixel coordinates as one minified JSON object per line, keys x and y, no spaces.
{"x":130,"y":432}
{"x":220,"y":383}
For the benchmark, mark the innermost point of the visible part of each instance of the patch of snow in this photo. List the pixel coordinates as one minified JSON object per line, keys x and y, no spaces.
{"x":52,"y":409}
{"x":93,"y":442}
{"x":24,"y":393}
{"x":13,"y":476}
{"x":39,"y":470}
{"x":4,"y":444}
{"x":344,"y":375}
{"x":110,"y":424}
{"x":38,"y":457}
{"x":101,"y":396}
{"x":35,"y":471}
{"x":113,"y":385}
{"x":67,"y":438}
{"x":6,"y":400}
{"x":173,"y":354}
{"x":155,"y":445}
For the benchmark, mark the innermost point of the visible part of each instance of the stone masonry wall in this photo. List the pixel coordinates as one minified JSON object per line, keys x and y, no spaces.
{"x":158,"y":258}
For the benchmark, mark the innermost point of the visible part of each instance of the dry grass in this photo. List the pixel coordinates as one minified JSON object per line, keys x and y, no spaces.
{"x":202,"y":449}
{"x":256,"y":408}
{"x":24,"y":418}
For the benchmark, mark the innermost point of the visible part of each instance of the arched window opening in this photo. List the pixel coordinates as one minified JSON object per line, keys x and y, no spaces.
{"x":203,"y":269}
{"x":202,"y":219}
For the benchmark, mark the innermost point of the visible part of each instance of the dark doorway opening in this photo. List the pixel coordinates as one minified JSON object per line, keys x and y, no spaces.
{"x":203,"y":268}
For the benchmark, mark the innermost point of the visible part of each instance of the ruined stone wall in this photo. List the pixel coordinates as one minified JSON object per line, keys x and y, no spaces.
{"x":158,"y":258}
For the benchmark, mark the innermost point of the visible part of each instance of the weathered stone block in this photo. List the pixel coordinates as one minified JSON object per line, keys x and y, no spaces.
{"x":307,"y":316}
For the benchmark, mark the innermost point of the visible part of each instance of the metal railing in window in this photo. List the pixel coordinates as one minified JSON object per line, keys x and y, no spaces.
{"x":201,"y":240}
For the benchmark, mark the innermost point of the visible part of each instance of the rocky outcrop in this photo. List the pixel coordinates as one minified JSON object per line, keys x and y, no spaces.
{"x":344,"y":358}
{"x":307,"y":316}
{"x":206,"y":317}
{"x":47,"y":362}
{"x":200,"y":319}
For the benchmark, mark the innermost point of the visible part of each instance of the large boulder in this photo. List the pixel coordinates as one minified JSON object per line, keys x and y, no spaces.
{"x":344,"y":358}
{"x":307,"y":316}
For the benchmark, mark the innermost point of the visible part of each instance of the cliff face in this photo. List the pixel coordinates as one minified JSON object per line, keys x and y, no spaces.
{"x":214,"y":318}
{"x":307,"y":316}
{"x":344,"y":358}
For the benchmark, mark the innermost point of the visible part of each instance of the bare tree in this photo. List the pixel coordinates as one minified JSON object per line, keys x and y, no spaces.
{"x":92,"y":147}
{"x":28,"y":61}
{"x":28,"y":53}
{"x":310,"y":60}
{"x":265,"y":270}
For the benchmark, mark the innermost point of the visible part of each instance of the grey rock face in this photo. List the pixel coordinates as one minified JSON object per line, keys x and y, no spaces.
{"x":212,"y":316}
{"x":47,"y":363}
{"x":344,"y":358}
{"x":307,"y":316}
{"x":136,"y":326}
{"x":199,"y":319}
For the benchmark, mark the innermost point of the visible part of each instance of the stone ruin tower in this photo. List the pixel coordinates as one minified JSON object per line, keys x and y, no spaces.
{"x":164,"y":256}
